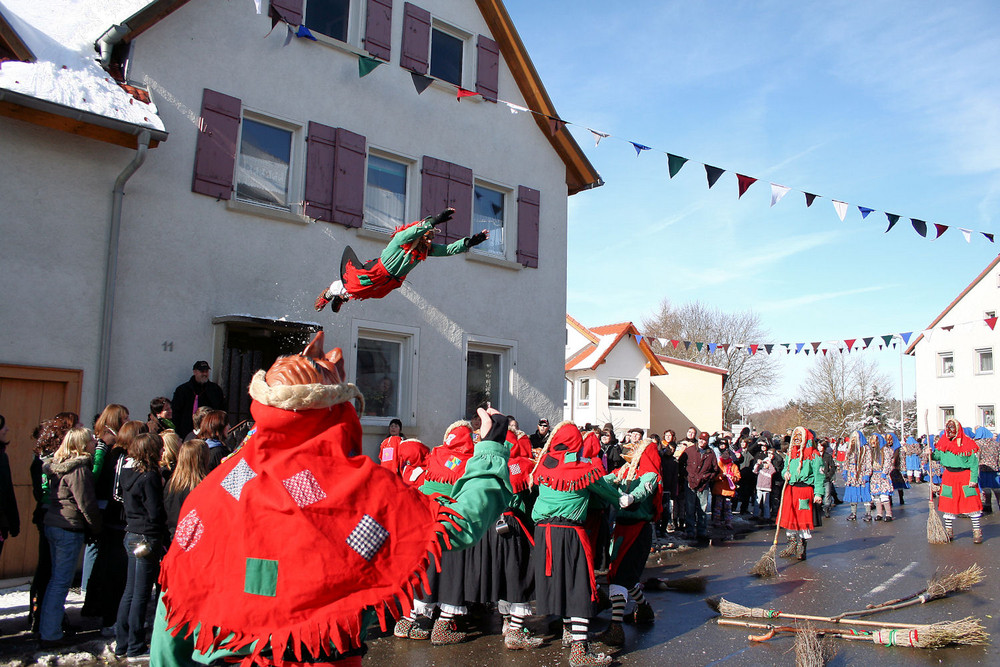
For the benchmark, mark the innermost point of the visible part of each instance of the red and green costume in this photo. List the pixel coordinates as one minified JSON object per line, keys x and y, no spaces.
{"x":804,"y":468}
{"x":960,"y":478}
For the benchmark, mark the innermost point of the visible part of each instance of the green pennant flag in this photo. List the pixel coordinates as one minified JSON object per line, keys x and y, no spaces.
{"x":887,"y":339}
{"x":674,"y":163}
{"x":698,"y":345}
{"x":366,"y":65}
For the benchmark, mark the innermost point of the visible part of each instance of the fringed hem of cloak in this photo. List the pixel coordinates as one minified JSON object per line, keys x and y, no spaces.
{"x":969,"y":446}
{"x":576,"y":484}
{"x":341,"y":630}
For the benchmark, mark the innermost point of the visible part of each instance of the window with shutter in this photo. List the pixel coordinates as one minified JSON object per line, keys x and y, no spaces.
{"x":215,"y":154}
{"x":320,"y":145}
{"x":385,"y":192}
{"x":329,"y":17}
{"x":349,"y":178}
{"x":263,"y":168}
{"x":378,"y":28}
{"x":416,"y":39}
{"x":489,"y":213}
{"x":528,"y":202}
{"x":447,"y":51}
{"x":444,"y":184}
{"x":487,"y":68}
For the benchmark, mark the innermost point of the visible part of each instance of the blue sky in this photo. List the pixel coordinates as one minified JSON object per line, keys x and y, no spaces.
{"x":893,"y":106}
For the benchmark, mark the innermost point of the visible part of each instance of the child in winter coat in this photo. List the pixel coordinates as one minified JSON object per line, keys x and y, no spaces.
{"x":765,"y":470}
{"x":724,"y":487}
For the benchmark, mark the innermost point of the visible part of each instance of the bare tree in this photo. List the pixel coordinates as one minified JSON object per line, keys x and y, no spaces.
{"x":749,"y":374}
{"x":834,"y":392}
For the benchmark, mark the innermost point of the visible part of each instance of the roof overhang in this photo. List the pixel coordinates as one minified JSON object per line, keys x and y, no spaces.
{"x":11,"y":42}
{"x":75,"y":121}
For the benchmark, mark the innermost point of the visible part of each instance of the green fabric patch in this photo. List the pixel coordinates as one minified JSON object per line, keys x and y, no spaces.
{"x":571,"y":457}
{"x":946,"y":491}
{"x":364,"y":280}
{"x":261,"y":577}
{"x":804,"y":504}
{"x":970,"y":491}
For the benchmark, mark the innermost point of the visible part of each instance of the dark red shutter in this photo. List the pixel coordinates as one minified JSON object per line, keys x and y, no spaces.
{"x":288,"y":10}
{"x":416,"y":39}
{"x":487,"y":68}
{"x":320,"y":149}
{"x":378,"y":28}
{"x":349,"y":179}
{"x":528,"y":200}
{"x":444,"y":184}
{"x":215,"y":154}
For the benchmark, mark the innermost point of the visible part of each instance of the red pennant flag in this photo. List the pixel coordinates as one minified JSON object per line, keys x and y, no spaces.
{"x":941,"y":229}
{"x":675,"y":343}
{"x":462,"y":92}
{"x":850,"y":343}
{"x":745,"y":183}
{"x":725,"y":347}
{"x":555,"y":124}
{"x":753,"y":349}
{"x":816,"y":346}
{"x":992,"y":322}
{"x":824,"y":351}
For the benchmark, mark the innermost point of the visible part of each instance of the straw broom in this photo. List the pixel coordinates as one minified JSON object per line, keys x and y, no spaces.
{"x":967,"y":632}
{"x":732,"y":610}
{"x":767,"y":566}
{"x":809,"y":650}
{"x":936,"y":533}
{"x":940,"y":585}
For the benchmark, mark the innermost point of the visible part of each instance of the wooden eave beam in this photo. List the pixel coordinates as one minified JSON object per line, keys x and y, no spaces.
{"x":77,"y":126}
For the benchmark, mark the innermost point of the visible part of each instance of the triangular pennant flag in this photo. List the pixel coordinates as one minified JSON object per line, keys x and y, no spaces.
{"x":798,"y":347}
{"x":598,"y":136}
{"x":420,"y":82}
{"x":304,"y":32}
{"x":777,"y":192}
{"x":991,"y":322}
{"x":745,"y":183}
{"x":367,"y":65}
{"x":868,"y":341}
{"x":893,"y":219}
{"x":638,"y":339}
{"x":713,"y":174}
{"x":989,"y":237}
{"x":807,"y":351}
{"x":638,"y":148}
{"x":675,"y":343}
{"x":753,"y":349}
{"x":711,"y":348}
{"x":879,"y":347}
{"x":865,"y":211}
{"x":256,"y":3}
{"x":462,"y":92}
{"x":516,"y":108}
{"x":967,"y":233}
{"x":850,"y":343}
{"x":768,"y":347}
{"x":725,"y":347}
{"x":698,"y":345}
{"x":810,"y":198}
{"x":289,"y":33}
{"x":920,"y":226}
{"x":841,"y":207}
{"x":687,"y":345}
{"x":941,"y":229}
{"x":816,"y":345}
{"x":906,"y":337}
{"x":887,"y":339}
{"x":949,"y":327}
{"x":674,"y":163}
{"x":555,"y":124}
{"x":824,"y":351}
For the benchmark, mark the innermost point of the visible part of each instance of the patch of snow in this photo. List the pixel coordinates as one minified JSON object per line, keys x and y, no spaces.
{"x":61,"y":34}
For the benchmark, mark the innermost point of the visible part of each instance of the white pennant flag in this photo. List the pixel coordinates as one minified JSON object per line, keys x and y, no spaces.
{"x":777,"y":192}
{"x":967,"y":233}
{"x":257,"y":5}
{"x":598,"y":136}
{"x":515,"y":108}
{"x":841,"y":208}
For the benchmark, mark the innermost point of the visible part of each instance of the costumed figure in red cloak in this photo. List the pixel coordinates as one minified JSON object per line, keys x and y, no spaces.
{"x":959,"y":454}
{"x":410,"y":244}
{"x":293,"y":546}
{"x":641,"y":506}
{"x":805,"y":485}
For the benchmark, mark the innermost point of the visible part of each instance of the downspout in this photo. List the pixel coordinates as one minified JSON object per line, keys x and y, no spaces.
{"x":111,"y":273}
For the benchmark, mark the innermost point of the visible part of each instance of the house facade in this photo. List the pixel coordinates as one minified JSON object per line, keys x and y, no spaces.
{"x":204,"y":227}
{"x":955,"y":358}
{"x":612,"y":375}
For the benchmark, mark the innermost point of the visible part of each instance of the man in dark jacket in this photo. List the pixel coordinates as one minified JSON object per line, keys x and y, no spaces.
{"x":540,"y":435}
{"x":197,"y":392}
{"x":701,"y":469}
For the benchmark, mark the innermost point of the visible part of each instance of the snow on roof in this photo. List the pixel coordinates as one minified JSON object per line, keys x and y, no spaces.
{"x":591,"y":359}
{"x":61,"y":34}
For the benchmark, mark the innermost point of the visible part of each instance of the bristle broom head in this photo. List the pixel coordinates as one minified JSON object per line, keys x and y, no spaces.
{"x":767,"y":566}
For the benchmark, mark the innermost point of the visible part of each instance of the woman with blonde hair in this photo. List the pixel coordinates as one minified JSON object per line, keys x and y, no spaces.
{"x":192,"y":466}
{"x":72,"y":512}
{"x":168,"y":462}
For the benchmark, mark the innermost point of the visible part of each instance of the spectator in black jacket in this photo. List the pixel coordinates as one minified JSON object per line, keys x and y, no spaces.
{"x":668,"y":483}
{"x":10,"y":520}
{"x":701,"y":469}
{"x":540,"y":436}
{"x":197,"y":392}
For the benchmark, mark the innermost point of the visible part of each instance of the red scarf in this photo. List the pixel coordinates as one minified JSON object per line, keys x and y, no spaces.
{"x":446,"y":463}
{"x":293,"y":537}
{"x":520,"y":462}
{"x":805,"y":452}
{"x":961,"y":444}
{"x":562,"y":465}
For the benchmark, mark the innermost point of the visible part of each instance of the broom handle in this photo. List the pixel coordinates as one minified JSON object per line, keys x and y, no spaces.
{"x":882,"y":605}
{"x":781,"y":506}
{"x":849,"y":621}
{"x":888,"y":607}
{"x":830,"y":632}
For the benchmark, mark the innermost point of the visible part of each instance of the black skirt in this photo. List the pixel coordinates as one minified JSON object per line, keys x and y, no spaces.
{"x":631,"y":564}
{"x":448,"y":585}
{"x":499,"y":566}
{"x":567,"y":589}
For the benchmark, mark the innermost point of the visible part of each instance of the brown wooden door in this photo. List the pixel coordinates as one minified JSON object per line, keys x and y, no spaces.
{"x":29,"y":395}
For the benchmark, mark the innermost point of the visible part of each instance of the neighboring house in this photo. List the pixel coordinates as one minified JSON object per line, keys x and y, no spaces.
{"x":612,"y":375}
{"x":140,"y":237}
{"x":955,"y":358}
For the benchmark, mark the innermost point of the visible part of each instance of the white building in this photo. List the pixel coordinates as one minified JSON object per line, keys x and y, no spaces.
{"x":954,"y":358}
{"x":139,"y":238}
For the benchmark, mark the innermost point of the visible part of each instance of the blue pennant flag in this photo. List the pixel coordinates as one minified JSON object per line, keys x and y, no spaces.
{"x":798,"y":347}
{"x":639,"y":148}
{"x":865,"y":211}
{"x":304,"y":32}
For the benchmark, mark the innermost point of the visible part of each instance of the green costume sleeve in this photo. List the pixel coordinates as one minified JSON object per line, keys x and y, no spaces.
{"x":606,"y":488}
{"x":481,"y":494}
{"x":454,"y":248}
{"x":645,"y":486}
{"x":819,"y":478}
{"x":99,"y":455}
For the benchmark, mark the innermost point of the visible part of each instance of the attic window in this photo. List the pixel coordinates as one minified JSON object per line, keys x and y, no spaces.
{"x":447,"y":51}
{"x":329,"y":17}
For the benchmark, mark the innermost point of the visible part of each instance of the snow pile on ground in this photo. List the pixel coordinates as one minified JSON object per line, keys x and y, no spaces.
{"x":61,"y":34}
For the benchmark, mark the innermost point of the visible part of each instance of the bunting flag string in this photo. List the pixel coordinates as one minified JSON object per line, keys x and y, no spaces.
{"x":844,"y":345}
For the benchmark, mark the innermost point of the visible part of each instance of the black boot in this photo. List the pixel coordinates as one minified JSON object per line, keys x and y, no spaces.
{"x":800,"y":551}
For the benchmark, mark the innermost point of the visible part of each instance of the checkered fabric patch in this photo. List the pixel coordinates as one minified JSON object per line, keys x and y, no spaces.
{"x":515,"y":468}
{"x":452,"y":463}
{"x":237,"y":478}
{"x":304,"y":489}
{"x":367,"y":537}
{"x":189,"y":531}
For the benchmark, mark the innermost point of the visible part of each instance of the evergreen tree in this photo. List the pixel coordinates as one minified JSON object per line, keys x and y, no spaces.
{"x":875,"y":412}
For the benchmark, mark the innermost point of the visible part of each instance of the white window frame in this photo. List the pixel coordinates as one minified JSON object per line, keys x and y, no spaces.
{"x":507,"y":349}
{"x":508,"y":198}
{"x":583,"y":397}
{"x":941,"y":364}
{"x":944,"y":412}
{"x":468,"y":53}
{"x":296,"y":161}
{"x":621,"y":402}
{"x":983,"y":421}
{"x":409,"y":339}
{"x":357,"y":15}
{"x":978,"y":369}
{"x":410,"y":164}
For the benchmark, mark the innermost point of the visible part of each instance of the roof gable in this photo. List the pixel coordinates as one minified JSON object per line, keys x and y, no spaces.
{"x":609,"y":336}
